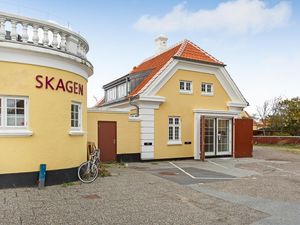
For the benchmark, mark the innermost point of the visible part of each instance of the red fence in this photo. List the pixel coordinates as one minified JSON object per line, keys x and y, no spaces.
{"x":276,"y":140}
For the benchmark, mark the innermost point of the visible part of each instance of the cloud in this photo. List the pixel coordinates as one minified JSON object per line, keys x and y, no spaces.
{"x":235,"y":17}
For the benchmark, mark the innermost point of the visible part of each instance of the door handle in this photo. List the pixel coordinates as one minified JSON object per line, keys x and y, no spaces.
{"x":114,"y":141}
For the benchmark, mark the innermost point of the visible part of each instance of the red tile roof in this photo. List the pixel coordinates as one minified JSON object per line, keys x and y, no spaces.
{"x":184,"y":50}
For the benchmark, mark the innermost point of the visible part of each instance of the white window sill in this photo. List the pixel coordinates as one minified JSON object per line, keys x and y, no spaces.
{"x":207,"y":94}
{"x":186,"y":92}
{"x":174,"y":142}
{"x":15,"y":133}
{"x":76,"y":133}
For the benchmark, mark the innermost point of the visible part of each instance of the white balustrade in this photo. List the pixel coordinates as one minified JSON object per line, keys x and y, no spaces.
{"x":69,"y":41}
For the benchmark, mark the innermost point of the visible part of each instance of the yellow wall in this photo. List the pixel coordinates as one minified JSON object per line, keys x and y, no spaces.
{"x":182,"y":105}
{"x":49,"y":119}
{"x":128,"y":132}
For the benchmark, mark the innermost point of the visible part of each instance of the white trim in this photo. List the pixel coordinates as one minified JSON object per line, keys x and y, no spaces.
{"x":158,"y":99}
{"x":76,"y":133}
{"x":174,"y":142}
{"x":15,"y":132}
{"x":216,"y":113}
{"x":108,"y":110}
{"x":79,"y":127}
{"x":219,"y":71}
{"x":197,"y":128}
{"x":184,"y":86}
{"x":18,"y":53}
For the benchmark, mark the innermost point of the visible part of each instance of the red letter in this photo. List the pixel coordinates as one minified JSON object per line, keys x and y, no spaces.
{"x":40,"y":83}
{"x":60,"y":84}
{"x":69,"y":86}
{"x":75,"y":88}
{"x":48,"y":83}
{"x":80,"y":89}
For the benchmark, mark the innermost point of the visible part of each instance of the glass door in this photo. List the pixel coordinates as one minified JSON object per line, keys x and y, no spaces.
{"x":223,"y":136}
{"x":209,"y":142}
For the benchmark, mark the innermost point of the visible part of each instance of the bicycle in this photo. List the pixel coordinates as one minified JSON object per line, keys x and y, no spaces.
{"x":88,"y":171}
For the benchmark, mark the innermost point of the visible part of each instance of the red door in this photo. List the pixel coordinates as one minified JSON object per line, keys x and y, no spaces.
{"x":107,"y":140}
{"x":243,"y":137}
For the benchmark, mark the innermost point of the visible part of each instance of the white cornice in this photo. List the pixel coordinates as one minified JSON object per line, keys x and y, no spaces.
{"x":26,"y":54}
{"x":108,"y":110}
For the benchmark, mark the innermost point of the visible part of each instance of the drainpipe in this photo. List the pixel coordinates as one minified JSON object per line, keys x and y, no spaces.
{"x":135,"y":105}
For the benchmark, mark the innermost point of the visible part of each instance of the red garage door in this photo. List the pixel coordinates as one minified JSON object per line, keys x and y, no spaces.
{"x":243,"y":137}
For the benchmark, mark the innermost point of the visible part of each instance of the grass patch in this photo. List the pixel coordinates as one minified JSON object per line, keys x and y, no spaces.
{"x":103,"y":172}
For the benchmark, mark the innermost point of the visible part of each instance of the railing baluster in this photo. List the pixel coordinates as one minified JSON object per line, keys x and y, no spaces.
{"x":46,"y":38}
{"x":35,"y":37}
{"x":2,"y":29}
{"x":13,"y":33}
{"x":63,"y":42}
{"x":55,"y":41}
{"x":25,"y":32}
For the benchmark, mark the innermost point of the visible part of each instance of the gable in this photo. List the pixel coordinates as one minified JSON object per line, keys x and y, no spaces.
{"x":230,"y":88}
{"x":170,"y":90}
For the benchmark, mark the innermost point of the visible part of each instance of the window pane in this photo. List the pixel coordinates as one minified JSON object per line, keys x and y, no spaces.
{"x":20,"y":103}
{"x":208,"y":88}
{"x":176,"y":120}
{"x":20,"y":111}
{"x":11,"y":111}
{"x":170,"y":120}
{"x":181,"y":85}
{"x":176,"y":133}
{"x":188,"y":86}
{"x":170,"y":133}
{"x":203,"y":87}
{"x":11,"y":120}
{"x":11,"y":102}
{"x":20,"y":121}
{"x":72,"y":123}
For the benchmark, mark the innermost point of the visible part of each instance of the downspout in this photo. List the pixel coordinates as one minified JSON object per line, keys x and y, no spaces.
{"x":135,"y":105}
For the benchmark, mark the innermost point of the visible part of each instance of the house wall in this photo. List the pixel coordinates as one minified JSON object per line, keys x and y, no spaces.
{"x":128,"y":132}
{"x":182,"y":105}
{"x":49,"y":120}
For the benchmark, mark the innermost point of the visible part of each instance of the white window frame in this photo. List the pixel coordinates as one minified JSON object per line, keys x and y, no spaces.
{"x":79,"y":127}
{"x":6,"y":130}
{"x":184,"y":91}
{"x":122,"y":90}
{"x":111,"y":94}
{"x":174,"y":141}
{"x":206,"y":93}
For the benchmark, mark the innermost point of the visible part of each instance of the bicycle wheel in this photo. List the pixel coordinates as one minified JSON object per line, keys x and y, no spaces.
{"x":87,"y":172}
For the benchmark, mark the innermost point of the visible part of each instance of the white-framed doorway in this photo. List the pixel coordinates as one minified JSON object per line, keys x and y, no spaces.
{"x":218,"y":132}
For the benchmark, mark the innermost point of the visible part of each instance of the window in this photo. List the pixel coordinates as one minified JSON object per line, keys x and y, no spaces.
{"x":207,"y":89}
{"x":76,"y":116}
{"x":13,"y":112}
{"x":122,"y":90}
{"x":111,"y":94}
{"x":185,"y":87}
{"x":174,"y":130}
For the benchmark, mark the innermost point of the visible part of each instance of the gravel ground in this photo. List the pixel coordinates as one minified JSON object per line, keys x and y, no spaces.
{"x":128,"y":197}
{"x":266,"y":191}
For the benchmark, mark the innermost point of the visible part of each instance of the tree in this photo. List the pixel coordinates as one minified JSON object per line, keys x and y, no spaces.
{"x":263,"y":112}
{"x":289,"y":111}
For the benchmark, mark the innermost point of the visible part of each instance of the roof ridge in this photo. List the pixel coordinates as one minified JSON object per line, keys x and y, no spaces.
{"x":203,"y":51}
{"x":182,"y":47}
{"x":160,"y":53}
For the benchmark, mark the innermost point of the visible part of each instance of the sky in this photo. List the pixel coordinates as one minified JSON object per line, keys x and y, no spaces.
{"x":259,"y":41}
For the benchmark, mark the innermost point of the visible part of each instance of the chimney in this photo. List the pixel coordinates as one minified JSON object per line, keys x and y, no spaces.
{"x":161,"y":43}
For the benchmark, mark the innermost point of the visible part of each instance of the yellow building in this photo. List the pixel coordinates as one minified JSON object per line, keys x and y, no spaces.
{"x":43,"y":101}
{"x":155,"y":111}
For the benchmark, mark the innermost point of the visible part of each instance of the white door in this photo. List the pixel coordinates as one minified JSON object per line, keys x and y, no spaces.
{"x":223,"y":136}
